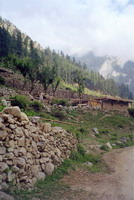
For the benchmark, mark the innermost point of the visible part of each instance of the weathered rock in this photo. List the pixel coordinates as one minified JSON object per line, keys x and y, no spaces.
{"x":3,"y":166}
{"x":20,"y":162}
{"x":3,"y":134}
{"x":4,"y":102}
{"x":49,"y":168}
{"x":40,"y":175}
{"x":35,"y":119}
{"x":46,"y":127}
{"x":21,"y":142}
{"x":108,"y":145}
{"x":18,"y":132}
{"x":2,"y":150}
{"x":15,"y":168}
{"x":96,"y":130}
{"x":14,"y":111}
{"x":24,"y":117}
{"x":89,"y":164}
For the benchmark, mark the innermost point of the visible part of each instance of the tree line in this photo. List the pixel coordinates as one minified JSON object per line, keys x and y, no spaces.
{"x":18,"y":52}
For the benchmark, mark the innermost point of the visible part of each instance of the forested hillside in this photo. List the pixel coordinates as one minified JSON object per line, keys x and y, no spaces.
{"x":20,"y":53}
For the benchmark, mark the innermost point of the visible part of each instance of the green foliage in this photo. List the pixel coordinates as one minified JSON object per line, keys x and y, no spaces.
{"x":131,"y":111}
{"x":21,"y":101}
{"x":47,"y":76}
{"x":55,"y":84}
{"x":63,"y":102}
{"x":103,"y":131}
{"x":36,"y":105}
{"x":104,"y":148}
{"x":19,"y":53}
{"x":60,"y":114}
{"x":81,"y":149}
{"x":2,"y":81}
{"x":80,"y":80}
{"x":82,"y":130}
{"x":1,"y":108}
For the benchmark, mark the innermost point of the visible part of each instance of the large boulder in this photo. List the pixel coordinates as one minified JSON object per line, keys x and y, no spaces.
{"x":14,"y":111}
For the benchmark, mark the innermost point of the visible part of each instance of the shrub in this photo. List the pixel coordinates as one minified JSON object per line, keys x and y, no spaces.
{"x":103,"y":131}
{"x":67,"y":88}
{"x":36,"y":105}
{"x":21,"y":101}
{"x":82,"y":130}
{"x":63,"y":102}
{"x":58,"y":113}
{"x":131,"y":111}
{"x":81,"y":149}
{"x":2,"y":81}
{"x":104,"y":148}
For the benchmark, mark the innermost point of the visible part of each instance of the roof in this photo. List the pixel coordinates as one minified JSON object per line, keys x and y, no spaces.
{"x":106,"y":98}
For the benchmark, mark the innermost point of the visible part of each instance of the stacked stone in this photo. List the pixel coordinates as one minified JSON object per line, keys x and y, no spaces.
{"x":30,"y":150}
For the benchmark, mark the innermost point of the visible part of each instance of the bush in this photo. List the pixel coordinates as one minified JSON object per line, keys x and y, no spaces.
{"x":63,"y":102}
{"x":81,"y":149}
{"x":104,"y":148}
{"x":21,"y":101}
{"x":36,"y":105}
{"x":82,"y":130}
{"x":2,"y":81}
{"x":67,"y":88}
{"x":103,"y":131}
{"x":131,"y":111}
{"x":58,"y":113}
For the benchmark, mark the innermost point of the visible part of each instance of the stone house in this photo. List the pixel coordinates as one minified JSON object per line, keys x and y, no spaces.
{"x":105,"y":103}
{"x":111,"y":103}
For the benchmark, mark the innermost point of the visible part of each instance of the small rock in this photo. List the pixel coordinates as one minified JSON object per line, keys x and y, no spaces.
{"x":3,"y":166}
{"x":3,"y":134}
{"x":24,"y":117}
{"x":35,"y":119}
{"x":2,"y":150}
{"x":96,"y":130}
{"x":49,"y":168}
{"x":108,"y":145}
{"x":89,"y":164}
{"x":20,"y":162}
{"x":40,"y":175}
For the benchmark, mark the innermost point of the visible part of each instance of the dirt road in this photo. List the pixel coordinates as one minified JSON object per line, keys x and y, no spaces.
{"x":117,"y":185}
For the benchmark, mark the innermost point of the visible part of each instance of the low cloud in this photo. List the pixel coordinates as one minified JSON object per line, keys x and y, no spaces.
{"x":76,"y":26}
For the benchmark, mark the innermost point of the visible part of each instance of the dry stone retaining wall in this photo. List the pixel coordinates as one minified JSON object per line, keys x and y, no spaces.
{"x":30,"y":150}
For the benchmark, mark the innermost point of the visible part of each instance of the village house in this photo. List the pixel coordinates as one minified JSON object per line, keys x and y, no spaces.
{"x":104,"y":103}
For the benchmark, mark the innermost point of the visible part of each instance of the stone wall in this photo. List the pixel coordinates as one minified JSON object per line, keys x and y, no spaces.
{"x":30,"y":150}
{"x":115,"y":106}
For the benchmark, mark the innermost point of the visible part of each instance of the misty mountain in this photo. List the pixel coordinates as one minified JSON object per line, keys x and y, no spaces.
{"x":110,"y":67}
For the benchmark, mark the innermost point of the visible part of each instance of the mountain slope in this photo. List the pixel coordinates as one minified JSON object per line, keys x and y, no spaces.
{"x":111,"y":67}
{"x":17,"y":45}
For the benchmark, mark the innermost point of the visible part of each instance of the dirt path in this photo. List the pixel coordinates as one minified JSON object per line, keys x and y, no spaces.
{"x":117,"y":185}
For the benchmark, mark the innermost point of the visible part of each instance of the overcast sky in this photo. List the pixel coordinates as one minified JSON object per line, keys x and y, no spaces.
{"x":76,"y":26}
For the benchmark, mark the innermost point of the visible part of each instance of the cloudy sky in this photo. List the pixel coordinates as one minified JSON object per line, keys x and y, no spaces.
{"x":76,"y":26}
